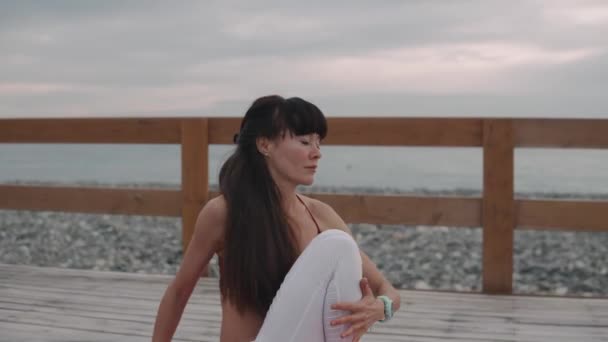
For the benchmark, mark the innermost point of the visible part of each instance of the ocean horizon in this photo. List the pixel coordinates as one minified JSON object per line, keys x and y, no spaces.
{"x":565,"y":171}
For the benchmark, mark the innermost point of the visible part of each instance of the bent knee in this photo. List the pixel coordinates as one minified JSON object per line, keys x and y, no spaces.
{"x":339,"y":240}
{"x":335,"y":234}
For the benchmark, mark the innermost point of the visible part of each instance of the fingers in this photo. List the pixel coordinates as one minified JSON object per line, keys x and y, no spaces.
{"x":359,"y":329}
{"x":348,"y":319}
{"x":345,"y":306}
{"x":368,"y":289}
{"x":363,"y":286}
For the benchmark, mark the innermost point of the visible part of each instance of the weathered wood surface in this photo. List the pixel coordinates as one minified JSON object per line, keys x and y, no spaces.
{"x":456,"y":212}
{"x":498,"y":216}
{"x":379,"y":131}
{"x":195,"y":174}
{"x":561,"y":133}
{"x":155,"y":202}
{"x":91,"y":130}
{"x":50,"y":304}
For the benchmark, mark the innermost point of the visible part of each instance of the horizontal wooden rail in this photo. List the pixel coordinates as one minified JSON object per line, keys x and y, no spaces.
{"x":561,"y":133}
{"x":374,"y":209}
{"x":589,"y":216}
{"x":432,"y":211}
{"x":92,"y":200}
{"x":443,"y":132}
{"x":378,"y":132}
{"x":111,"y":130}
{"x":438,"y":132}
{"x":389,"y":209}
{"x":463,"y":212}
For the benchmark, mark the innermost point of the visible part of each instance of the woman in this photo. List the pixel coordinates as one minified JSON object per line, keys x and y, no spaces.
{"x":289,"y":268}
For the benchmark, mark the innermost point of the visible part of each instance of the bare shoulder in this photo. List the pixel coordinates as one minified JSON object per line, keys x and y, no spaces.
{"x":211,"y":221}
{"x":325,"y":213}
{"x":215,"y":210}
{"x":216,"y":207}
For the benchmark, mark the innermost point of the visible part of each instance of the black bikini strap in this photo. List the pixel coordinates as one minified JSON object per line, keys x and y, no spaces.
{"x":310,"y":213}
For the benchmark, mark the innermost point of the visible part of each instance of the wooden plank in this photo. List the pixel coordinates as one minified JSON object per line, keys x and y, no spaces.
{"x":195,"y":174}
{"x":426,"y":316}
{"x":153,"y":202}
{"x":498,"y":217}
{"x":201,"y":308}
{"x":82,"y":308}
{"x":105,"y":313}
{"x":562,"y":215}
{"x":90,"y":130}
{"x":208,"y":307}
{"x":100,"y":295}
{"x":561,"y":133}
{"x":387,"y":209}
{"x":209,"y":310}
{"x":395,"y":209}
{"x":20,"y":332}
{"x":470,"y":326}
{"x":79,"y":323}
{"x":404,"y":131}
{"x":105,"y":298}
{"x":222,"y":130}
{"x":377,"y":131}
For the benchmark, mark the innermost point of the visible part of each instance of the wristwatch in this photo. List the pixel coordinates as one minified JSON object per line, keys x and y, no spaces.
{"x":388,"y":308}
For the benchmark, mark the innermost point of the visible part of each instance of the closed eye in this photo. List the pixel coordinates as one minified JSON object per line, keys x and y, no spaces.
{"x":306,"y":143}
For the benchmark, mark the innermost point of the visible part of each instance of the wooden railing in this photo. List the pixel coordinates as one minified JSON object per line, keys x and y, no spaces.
{"x":498,"y":212}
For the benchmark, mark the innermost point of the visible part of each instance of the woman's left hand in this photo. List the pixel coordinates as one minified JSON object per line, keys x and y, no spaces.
{"x":364,"y":313}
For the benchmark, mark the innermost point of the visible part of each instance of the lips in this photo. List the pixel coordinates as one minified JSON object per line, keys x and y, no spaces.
{"x":311,"y":167}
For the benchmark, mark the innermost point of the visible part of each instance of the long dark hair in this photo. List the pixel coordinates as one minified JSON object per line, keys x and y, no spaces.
{"x":259,"y":247}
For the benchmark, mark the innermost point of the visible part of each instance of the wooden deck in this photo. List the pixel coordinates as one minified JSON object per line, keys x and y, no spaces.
{"x":50,"y":304}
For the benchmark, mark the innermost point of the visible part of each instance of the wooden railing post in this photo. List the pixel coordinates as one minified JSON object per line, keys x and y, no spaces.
{"x":498,"y":216}
{"x":195,"y":174}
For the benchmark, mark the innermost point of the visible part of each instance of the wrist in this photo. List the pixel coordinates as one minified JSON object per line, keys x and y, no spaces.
{"x":388,"y":308}
{"x":380,"y":306}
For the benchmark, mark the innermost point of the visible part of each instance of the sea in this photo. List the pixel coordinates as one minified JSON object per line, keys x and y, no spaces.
{"x":577,"y":172}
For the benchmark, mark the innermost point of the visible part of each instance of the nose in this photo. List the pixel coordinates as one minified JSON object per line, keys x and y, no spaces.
{"x":316,"y":152}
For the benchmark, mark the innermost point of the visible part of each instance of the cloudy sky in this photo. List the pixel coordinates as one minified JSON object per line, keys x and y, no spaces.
{"x":352,"y":58}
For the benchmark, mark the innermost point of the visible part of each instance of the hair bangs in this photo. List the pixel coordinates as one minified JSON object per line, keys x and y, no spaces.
{"x":300,"y":117}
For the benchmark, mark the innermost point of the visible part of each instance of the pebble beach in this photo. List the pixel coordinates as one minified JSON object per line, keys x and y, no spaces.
{"x":411,"y":257}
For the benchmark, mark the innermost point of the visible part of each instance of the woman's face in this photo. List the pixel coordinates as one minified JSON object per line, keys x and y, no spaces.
{"x":294,"y":158}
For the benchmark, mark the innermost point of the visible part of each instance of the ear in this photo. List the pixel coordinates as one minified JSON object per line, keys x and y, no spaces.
{"x":264,"y":145}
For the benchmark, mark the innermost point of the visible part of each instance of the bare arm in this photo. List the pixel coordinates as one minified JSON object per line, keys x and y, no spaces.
{"x":378,"y":283}
{"x":208,"y":233}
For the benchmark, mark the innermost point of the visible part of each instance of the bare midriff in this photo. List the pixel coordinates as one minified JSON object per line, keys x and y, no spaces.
{"x":244,"y":327}
{"x":236,"y":326}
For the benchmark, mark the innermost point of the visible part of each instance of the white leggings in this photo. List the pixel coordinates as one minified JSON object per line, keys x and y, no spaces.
{"x":327,"y":272}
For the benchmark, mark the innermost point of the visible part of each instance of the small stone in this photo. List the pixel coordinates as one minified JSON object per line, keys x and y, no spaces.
{"x":25,"y":252}
{"x":421,"y":285}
